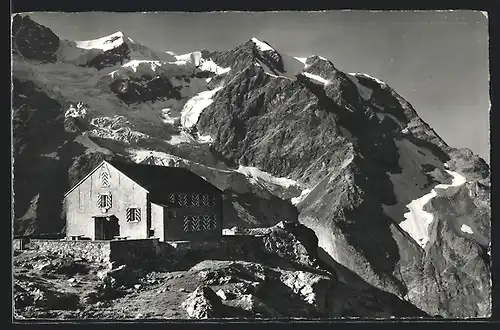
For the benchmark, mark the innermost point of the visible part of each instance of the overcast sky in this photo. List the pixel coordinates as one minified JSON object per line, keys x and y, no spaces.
{"x":438,"y":61}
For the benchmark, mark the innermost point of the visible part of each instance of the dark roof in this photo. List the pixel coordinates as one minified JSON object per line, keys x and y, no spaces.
{"x":161,"y":179}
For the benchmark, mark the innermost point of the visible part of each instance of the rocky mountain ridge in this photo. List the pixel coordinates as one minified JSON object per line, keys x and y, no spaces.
{"x":285,"y":138}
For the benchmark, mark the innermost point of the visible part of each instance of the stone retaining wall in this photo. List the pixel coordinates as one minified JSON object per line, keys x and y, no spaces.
{"x":138,"y":252}
{"x":96,"y":251}
{"x":147,"y":252}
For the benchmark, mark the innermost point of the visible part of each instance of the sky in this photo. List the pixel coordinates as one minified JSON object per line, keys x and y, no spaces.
{"x":438,"y":61}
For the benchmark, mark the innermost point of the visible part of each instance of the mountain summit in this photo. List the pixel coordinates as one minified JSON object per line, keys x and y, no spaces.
{"x":393,"y":206}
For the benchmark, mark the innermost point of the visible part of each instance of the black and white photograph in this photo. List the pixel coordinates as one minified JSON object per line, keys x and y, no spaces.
{"x":280,"y":165}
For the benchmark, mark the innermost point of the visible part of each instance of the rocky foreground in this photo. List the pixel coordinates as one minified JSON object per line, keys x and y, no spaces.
{"x":281,"y":278}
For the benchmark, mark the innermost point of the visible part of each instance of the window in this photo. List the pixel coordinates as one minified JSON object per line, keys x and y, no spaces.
{"x":213,"y":222}
{"x":171,"y":198}
{"x":133,"y":214}
{"x":104,"y":201}
{"x":195,"y":200}
{"x":207,"y":222}
{"x":187,"y":223}
{"x":182,"y":199}
{"x":206,"y":200}
{"x":196,"y":224}
{"x":104,"y":177}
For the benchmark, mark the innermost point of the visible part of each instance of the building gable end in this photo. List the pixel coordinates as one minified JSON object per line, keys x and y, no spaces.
{"x":94,"y":170}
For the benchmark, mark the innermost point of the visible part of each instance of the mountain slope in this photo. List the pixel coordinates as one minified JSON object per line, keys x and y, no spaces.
{"x":285,"y":138}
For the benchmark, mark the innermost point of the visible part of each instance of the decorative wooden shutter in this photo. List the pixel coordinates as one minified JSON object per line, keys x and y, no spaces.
{"x":104,"y":178}
{"x":187,"y":223}
{"x":108,"y":201}
{"x":129,"y":214}
{"x":182,"y":199}
{"x":195,"y":199}
{"x":196,"y":223}
{"x":206,"y":200}
{"x":171,"y":198}
{"x":137,"y":214}
{"x":214,"y":221}
{"x":207,"y":222}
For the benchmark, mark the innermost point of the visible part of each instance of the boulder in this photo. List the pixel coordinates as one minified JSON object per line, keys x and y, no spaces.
{"x":203,"y":303}
{"x":313,"y":288}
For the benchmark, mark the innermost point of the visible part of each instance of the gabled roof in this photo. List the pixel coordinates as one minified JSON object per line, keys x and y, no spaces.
{"x":159,"y":180}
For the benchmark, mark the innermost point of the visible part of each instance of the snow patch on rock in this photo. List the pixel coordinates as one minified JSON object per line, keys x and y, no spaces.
{"x":195,"y":106}
{"x":417,"y":220}
{"x":316,"y":78}
{"x":364,"y":75}
{"x":364,"y":92}
{"x":205,"y":139}
{"x":466,"y":229}
{"x":303,"y":60}
{"x":209,"y":65}
{"x":303,"y":195}
{"x":255,"y":175}
{"x":263,"y":47}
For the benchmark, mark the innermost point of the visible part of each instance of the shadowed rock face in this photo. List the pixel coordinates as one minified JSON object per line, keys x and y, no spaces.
{"x":110,"y":57}
{"x":33,"y":41}
{"x":358,"y":147}
{"x":357,"y":156}
{"x":143,"y":89}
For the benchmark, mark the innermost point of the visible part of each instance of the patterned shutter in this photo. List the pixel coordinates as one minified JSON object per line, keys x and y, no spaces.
{"x":207,"y":222}
{"x":171,"y":198}
{"x":182,"y":199}
{"x":195,"y":200}
{"x":100,"y":203}
{"x":104,"y":179}
{"x":214,"y":200}
{"x":108,"y":201}
{"x":133,"y":214}
{"x":213,"y":222}
{"x":187,"y":223}
{"x":206,"y":200}
{"x":196,"y":223}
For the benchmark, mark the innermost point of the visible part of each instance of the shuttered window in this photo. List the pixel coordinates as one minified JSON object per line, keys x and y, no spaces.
{"x":206,"y":200}
{"x":207,"y":222}
{"x":133,"y":214}
{"x":104,"y":201}
{"x":186,"y":225}
{"x":195,"y":200}
{"x":182,"y":199}
{"x":196,"y":225}
{"x":213,"y":222}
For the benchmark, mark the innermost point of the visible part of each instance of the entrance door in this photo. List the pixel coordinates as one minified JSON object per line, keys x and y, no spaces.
{"x":106,"y":228}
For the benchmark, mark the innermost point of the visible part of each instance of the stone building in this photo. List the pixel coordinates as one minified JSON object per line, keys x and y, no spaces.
{"x":136,"y":201}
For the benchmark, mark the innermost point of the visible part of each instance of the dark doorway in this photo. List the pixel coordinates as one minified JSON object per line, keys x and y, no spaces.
{"x":106,"y":227}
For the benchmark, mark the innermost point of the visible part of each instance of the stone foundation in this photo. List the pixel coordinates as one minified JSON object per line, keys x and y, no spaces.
{"x":96,"y":251}
{"x":146,"y":252}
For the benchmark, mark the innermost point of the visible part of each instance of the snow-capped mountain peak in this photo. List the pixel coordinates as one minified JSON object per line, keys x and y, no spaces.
{"x":104,"y":43}
{"x":263,"y":46}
